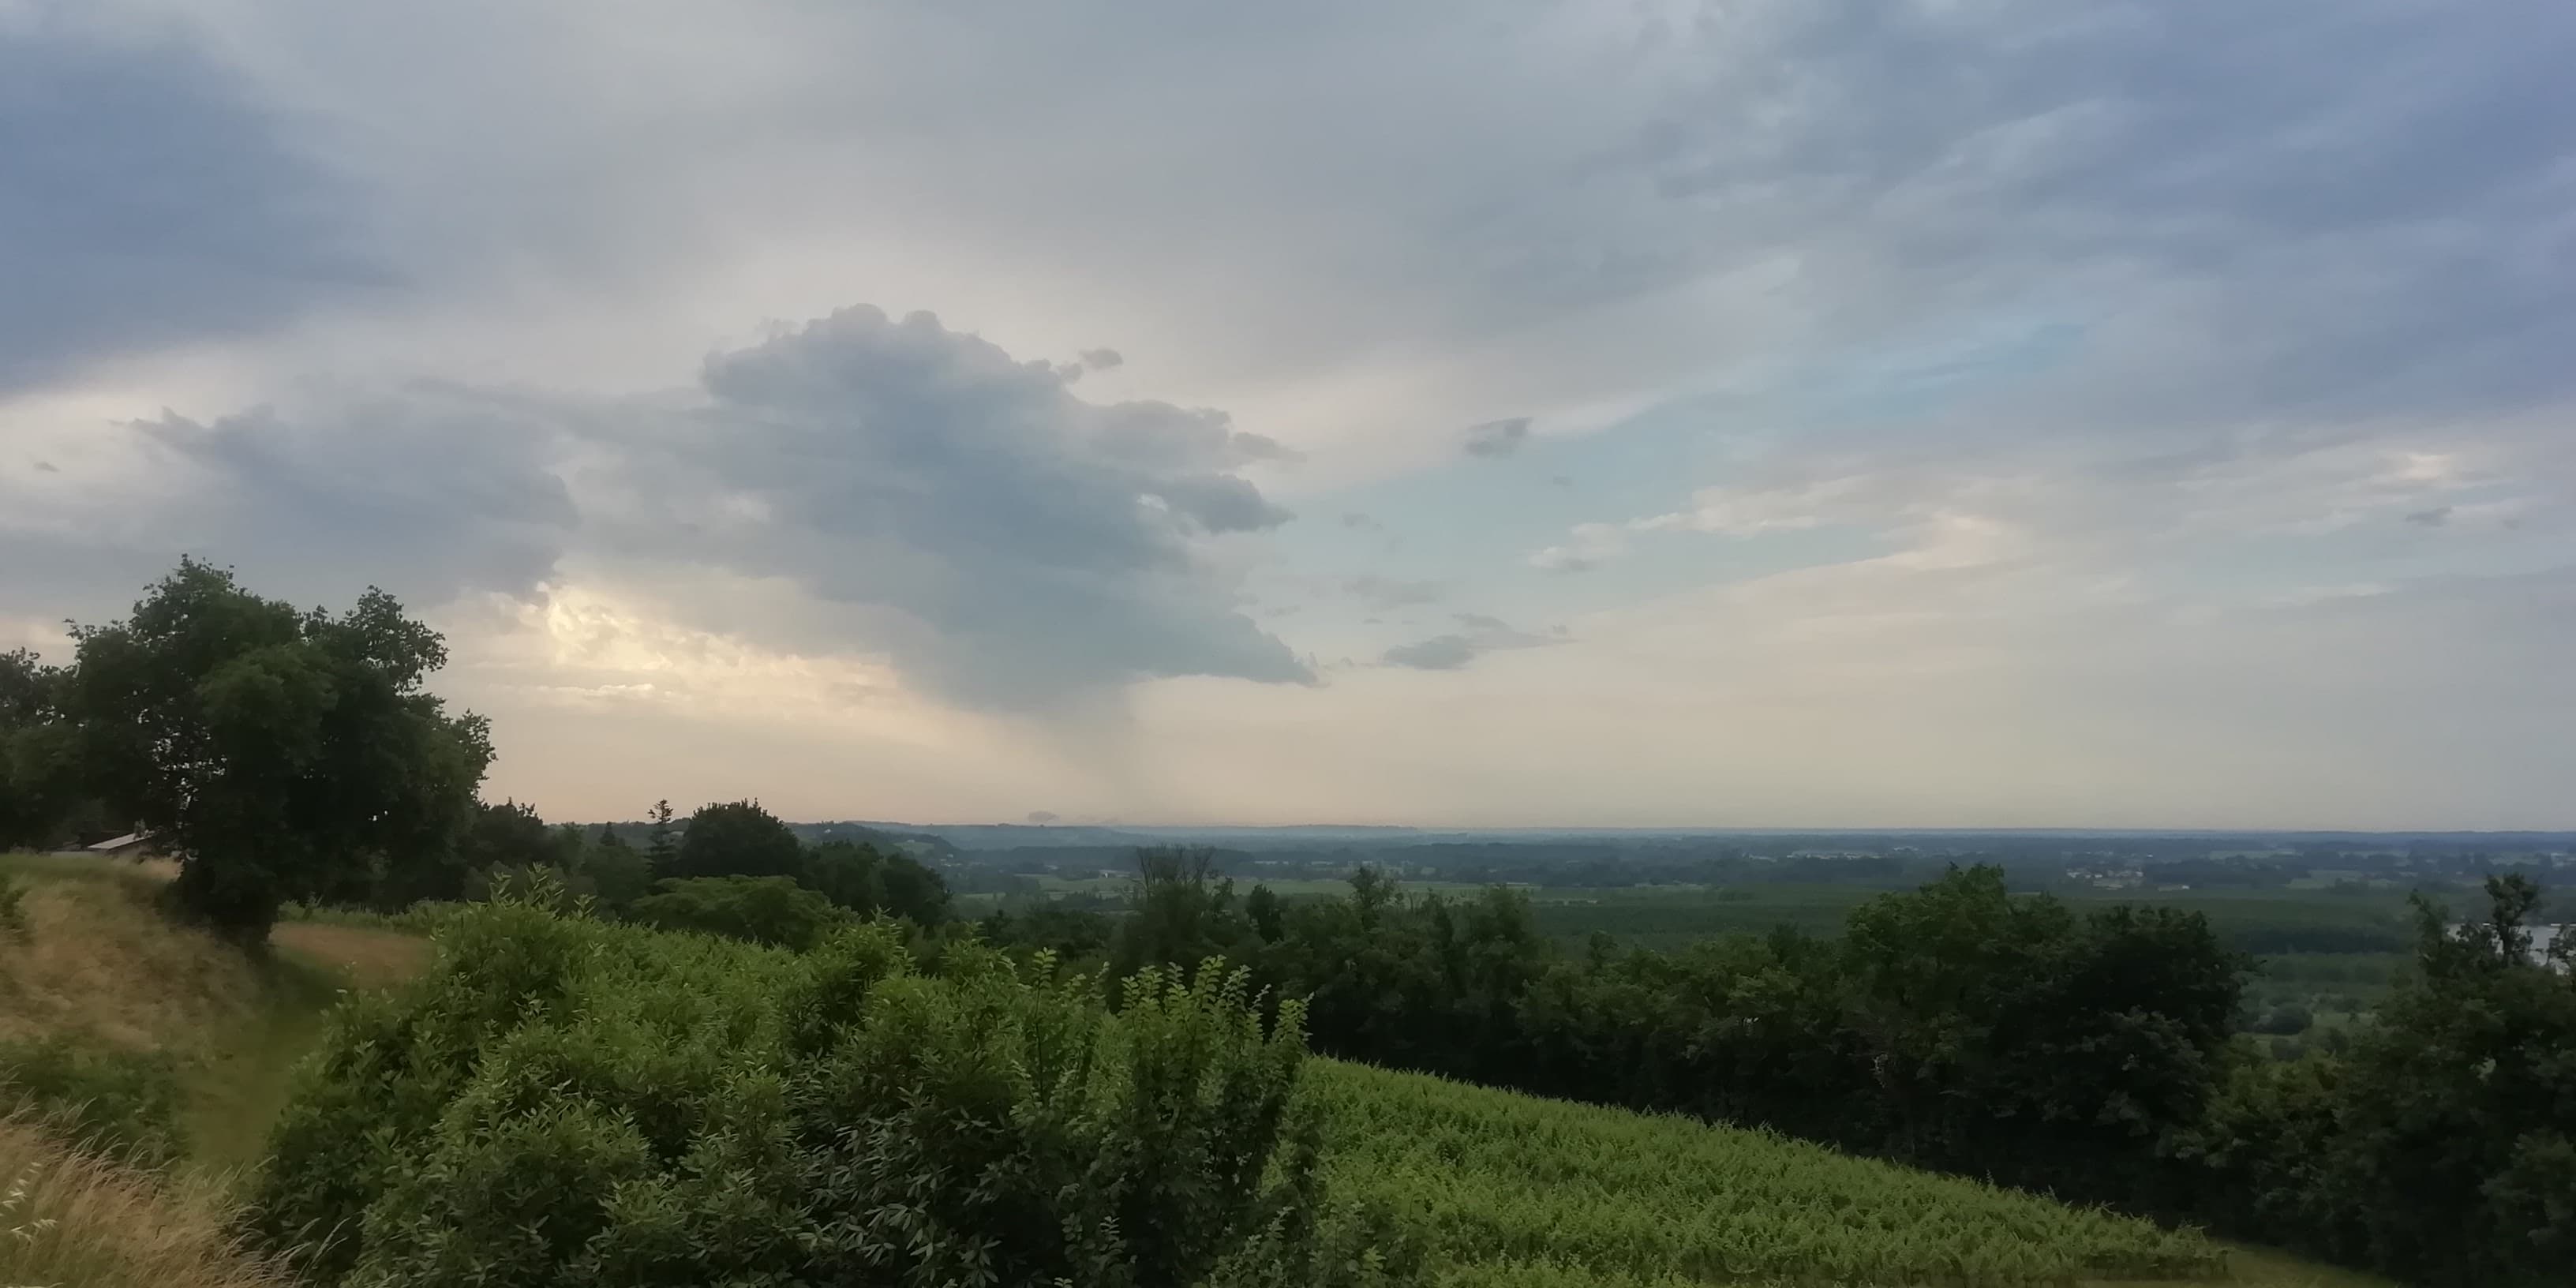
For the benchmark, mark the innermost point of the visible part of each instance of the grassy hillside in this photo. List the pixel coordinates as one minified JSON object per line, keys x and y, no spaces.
{"x":104,"y":1000}
{"x":93,"y":965}
{"x":1515,"y":1189}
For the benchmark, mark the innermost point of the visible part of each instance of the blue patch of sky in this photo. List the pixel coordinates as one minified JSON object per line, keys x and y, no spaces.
{"x":1472,"y":524}
{"x":2383,"y":548}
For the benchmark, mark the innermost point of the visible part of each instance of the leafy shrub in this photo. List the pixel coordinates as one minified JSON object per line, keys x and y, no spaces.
{"x":763,"y":910}
{"x":424,"y":917}
{"x":561,"y":1100}
{"x":13,"y":912}
{"x":122,"y":1103}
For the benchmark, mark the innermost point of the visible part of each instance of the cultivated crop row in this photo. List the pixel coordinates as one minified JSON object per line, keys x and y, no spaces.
{"x":1533,"y":1193}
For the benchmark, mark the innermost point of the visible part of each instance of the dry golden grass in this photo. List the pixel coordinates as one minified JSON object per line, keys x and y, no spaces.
{"x":94,"y":957}
{"x":75,"y":1220}
{"x":97,"y":962}
{"x":365,"y":957}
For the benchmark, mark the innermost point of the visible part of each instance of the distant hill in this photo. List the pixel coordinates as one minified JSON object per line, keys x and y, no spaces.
{"x":913,"y":841}
{"x":1018,"y":836}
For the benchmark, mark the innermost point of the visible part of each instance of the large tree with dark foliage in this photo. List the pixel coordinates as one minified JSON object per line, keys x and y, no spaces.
{"x":2442,"y":1149}
{"x":870,"y":881}
{"x":735,"y":839}
{"x":281,"y":754}
{"x":42,"y":801}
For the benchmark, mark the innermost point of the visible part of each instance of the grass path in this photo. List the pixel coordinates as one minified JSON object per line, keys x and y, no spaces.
{"x":97,"y":960}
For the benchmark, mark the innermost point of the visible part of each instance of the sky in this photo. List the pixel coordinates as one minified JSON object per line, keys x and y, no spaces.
{"x":1915,"y":413}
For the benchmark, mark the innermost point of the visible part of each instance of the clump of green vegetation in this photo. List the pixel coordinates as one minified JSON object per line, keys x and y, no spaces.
{"x":122,"y":1103}
{"x":13,"y":912}
{"x":762,"y":910}
{"x":422,"y":918}
{"x":566,"y":1100}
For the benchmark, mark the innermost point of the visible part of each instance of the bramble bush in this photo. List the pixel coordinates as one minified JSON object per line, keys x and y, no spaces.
{"x":561,"y":1100}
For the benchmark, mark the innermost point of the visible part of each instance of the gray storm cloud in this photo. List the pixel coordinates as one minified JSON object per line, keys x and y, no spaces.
{"x":933,"y":500}
{"x":150,"y":199}
{"x":1002,"y":538}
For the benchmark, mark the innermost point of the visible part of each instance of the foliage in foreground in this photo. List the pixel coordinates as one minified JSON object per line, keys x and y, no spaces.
{"x":1505,"y":1185}
{"x":565,"y":1101}
{"x":121,"y":1103}
{"x":75,"y":1219}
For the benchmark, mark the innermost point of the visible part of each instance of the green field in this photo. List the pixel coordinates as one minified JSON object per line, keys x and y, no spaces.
{"x":1514,"y":1189}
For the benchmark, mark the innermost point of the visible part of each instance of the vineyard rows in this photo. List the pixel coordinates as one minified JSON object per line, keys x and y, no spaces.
{"x":1521,"y":1192}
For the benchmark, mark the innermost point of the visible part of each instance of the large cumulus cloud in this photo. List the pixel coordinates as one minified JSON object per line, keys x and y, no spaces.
{"x":867,"y":486}
{"x":999,"y":536}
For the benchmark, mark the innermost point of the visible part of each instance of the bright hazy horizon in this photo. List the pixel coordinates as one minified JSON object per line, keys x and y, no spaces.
{"x":1931,"y":415}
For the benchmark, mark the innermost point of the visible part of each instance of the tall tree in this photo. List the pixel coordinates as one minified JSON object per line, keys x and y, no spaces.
{"x":735,"y":839}
{"x":661,"y":841}
{"x":868,"y":881}
{"x":277,"y":752}
{"x":40,"y":793}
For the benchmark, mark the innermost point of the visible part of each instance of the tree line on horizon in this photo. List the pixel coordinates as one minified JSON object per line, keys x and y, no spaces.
{"x":297,"y":756}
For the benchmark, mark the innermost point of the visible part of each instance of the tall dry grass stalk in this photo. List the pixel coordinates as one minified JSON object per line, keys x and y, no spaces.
{"x":97,"y":957}
{"x":71,"y":1219}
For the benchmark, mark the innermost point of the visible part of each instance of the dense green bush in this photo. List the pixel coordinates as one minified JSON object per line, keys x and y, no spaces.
{"x":565,"y":1101}
{"x":735,"y":839}
{"x":13,"y":912}
{"x":763,"y":910}
{"x":124,"y":1102}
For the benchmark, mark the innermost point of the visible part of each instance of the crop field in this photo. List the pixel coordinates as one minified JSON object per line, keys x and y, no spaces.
{"x":1533,"y":1193}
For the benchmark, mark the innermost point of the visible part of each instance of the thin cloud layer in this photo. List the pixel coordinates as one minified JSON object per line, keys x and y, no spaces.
{"x":1478,"y":635}
{"x":1498,"y":437}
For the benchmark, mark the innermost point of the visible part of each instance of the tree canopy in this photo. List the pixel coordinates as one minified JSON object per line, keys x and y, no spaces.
{"x":281,"y":754}
{"x":735,"y":839}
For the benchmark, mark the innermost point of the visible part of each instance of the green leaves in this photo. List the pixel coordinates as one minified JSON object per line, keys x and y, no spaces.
{"x":278,"y":753}
{"x":1508,"y":1188}
{"x":568,"y":1102}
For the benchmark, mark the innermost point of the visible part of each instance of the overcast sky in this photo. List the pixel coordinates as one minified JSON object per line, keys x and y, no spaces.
{"x":1783,"y":412}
